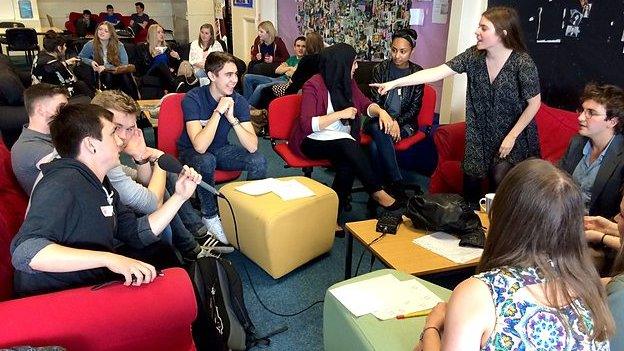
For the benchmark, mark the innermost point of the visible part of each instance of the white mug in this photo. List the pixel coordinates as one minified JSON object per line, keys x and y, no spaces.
{"x":486,"y":202}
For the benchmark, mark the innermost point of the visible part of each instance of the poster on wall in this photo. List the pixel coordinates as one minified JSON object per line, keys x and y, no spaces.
{"x":343,"y":22}
{"x":243,"y":3}
{"x":25,"y":9}
{"x":440,"y":11}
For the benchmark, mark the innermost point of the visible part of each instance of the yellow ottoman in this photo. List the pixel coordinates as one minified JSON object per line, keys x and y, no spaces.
{"x":281,"y":235}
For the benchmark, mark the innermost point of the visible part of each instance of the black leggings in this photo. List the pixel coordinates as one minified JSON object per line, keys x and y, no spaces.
{"x":349,"y":161}
{"x":472,"y":184}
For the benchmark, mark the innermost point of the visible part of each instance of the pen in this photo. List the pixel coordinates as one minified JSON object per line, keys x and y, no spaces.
{"x":414,"y":314}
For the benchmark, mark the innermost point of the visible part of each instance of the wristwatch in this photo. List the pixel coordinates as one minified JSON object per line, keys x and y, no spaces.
{"x":236,"y":121}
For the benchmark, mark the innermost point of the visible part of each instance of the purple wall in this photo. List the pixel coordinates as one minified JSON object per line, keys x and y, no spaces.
{"x":430,"y":48}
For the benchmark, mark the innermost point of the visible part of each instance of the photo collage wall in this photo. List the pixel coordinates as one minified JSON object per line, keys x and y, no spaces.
{"x":367,"y":25}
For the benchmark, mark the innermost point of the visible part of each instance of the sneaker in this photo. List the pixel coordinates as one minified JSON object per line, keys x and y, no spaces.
{"x":214,"y":226}
{"x":201,"y":233}
{"x":213,"y":246}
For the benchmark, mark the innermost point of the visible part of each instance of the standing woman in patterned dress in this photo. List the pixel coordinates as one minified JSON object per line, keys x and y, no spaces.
{"x":502,"y":98}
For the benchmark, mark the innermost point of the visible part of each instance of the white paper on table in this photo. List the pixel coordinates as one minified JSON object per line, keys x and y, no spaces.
{"x":406,"y":297}
{"x":291,"y":190}
{"x":417,"y":17}
{"x":447,"y":245}
{"x":385,"y":297}
{"x":258,"y":187}
{"x":364,"y":296}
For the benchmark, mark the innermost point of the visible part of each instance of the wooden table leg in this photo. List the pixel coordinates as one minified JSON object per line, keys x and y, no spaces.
{"x":348,"y":254}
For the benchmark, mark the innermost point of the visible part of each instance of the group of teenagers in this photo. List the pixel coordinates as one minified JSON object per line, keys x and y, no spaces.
{"x":138,"y":20}
{"x":538,"y":284}
{"x":103,"y":62}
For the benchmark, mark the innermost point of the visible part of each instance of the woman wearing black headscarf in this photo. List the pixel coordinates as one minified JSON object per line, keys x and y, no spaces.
{"x":329,"y":124}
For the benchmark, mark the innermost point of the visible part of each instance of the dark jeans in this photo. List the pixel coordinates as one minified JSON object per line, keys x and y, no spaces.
{"x":472,"y":185}
{"x":383,"y":156}
{"x":164,"y":75}
{"x":228,"y":158}
{"x":349,"y":162}
{"x":189,"y":216}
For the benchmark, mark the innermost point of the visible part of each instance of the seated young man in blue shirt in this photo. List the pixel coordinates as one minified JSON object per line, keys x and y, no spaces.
{"x":210,"y":112}
{"x":112,"y":18}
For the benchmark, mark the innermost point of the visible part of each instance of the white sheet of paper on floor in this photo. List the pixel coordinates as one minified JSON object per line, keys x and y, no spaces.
{"x":385,"y":297}
{"x":447,"y":245}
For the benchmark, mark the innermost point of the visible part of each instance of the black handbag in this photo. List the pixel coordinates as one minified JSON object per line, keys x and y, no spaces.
{"x":447,"y":213}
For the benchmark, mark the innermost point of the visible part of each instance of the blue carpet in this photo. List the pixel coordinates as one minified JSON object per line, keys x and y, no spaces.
{"x":307,"y":284}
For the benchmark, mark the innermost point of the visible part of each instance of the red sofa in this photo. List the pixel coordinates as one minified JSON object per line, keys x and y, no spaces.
{"x":125,"y":20}
{"x":555,"y":128}
{"x":157,"y":316}
{"x":70,"y":24}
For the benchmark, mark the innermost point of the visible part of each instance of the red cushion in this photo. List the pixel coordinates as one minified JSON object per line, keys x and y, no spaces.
{"x":156,"y":316}
{"x":283,"y":112}
{"x":13,"y":202}
{"x":294,"y":160}
{"x":554,"y":126}
{"x":170,"y":125}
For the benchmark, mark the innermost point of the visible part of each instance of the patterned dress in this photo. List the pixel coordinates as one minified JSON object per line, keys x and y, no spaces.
{"x":524,"y":325}
{"x":492,"y":109}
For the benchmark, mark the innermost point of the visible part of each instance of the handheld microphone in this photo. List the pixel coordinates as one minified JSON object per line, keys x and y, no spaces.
{"x":172,"y":165}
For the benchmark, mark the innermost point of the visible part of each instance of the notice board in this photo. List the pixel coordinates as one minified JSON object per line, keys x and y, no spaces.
{"x":572,"y":42}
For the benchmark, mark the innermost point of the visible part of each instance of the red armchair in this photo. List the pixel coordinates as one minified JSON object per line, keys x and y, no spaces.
{"x":157,"y":316}
{"x":424,"y":121}
{"x":170,"y":125}
{"x":554,"y":126}
{"x":283,"y":114}
{"x":70,"y":25}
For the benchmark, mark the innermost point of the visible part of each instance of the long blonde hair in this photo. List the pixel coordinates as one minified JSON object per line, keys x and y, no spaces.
{"x":268,"y":27}
{"x":112,"y":49}
{"x":152,"y":39}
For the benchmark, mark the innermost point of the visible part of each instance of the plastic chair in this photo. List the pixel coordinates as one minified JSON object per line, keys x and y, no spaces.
{"x":22,"y":39}
{"x":283,"y":113}
{"x":170,"y":124}
{"x":3,"y":40}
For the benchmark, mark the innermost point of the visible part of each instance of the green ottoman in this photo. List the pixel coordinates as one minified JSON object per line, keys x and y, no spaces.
{"x":342,"y":331}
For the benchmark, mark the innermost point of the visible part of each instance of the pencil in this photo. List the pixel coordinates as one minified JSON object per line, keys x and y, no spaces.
{"x":414,"y":314}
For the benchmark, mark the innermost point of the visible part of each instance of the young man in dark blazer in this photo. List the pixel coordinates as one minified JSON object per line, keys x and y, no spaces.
{"x":595,"y":157}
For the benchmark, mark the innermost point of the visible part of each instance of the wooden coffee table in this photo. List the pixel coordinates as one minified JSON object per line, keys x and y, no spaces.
{"x":398,"y":251}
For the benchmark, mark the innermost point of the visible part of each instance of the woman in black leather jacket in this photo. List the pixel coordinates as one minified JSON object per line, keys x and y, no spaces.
{"x":155,"y":58}
{"x":402,"y":104}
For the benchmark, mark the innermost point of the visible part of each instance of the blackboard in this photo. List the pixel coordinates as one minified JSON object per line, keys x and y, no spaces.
{"x":573,"y":42}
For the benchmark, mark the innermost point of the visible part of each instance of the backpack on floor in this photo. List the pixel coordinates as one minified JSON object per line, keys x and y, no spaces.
{"x":223,"y":321}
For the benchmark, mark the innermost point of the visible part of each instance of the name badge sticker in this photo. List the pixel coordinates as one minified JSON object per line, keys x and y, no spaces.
{"x":107,"y":211}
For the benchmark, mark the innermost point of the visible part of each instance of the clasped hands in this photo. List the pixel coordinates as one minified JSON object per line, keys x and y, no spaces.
{"x":226,"y":108}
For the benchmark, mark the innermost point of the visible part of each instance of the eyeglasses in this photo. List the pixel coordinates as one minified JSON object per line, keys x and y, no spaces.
{"x":589,"y":113}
